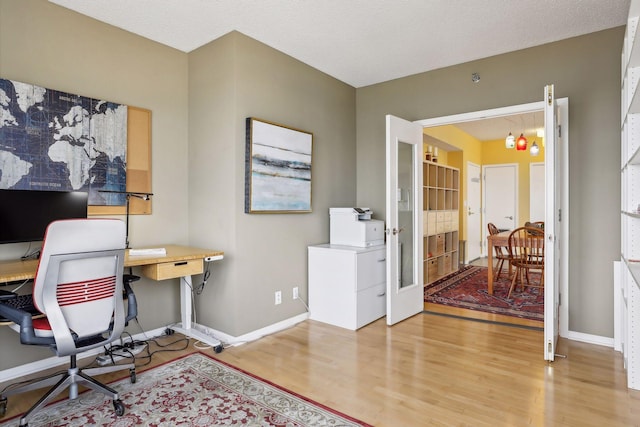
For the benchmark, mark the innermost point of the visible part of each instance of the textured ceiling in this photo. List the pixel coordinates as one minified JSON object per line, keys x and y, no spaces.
{"x":363,"y":42}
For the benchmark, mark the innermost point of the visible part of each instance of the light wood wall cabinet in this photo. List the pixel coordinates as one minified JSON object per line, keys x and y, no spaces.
{"x":441,"y":195}
{"x":627,"y":297}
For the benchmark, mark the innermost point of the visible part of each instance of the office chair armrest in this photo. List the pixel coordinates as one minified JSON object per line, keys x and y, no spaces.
{"x":23,"y":319}
{"x":132,"y":303}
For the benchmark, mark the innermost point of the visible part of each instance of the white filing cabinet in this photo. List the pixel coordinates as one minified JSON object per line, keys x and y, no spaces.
{"x":347,"y":284}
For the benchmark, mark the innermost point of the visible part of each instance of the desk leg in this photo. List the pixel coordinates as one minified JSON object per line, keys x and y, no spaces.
{"x":187,"y":327}
{"x":490,"y":263}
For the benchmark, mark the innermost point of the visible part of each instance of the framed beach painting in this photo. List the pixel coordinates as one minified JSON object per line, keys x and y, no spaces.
{"x":277,"y":168}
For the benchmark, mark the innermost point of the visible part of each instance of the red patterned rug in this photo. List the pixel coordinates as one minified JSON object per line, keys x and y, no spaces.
{"x":195,"y":390}
{"x":467,"y":288}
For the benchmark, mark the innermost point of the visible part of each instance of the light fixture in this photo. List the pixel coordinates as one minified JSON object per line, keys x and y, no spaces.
{"x":534,"y":150}
{"x":129,"y":195}
{"x":521,"y":143}
{"x":510,"y":142}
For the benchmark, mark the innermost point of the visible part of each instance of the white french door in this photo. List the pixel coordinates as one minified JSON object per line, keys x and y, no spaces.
{"x":554,"y":198}
{"x":404,"y":220}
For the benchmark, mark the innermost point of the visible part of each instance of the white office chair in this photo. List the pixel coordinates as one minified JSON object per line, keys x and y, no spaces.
{"x":78,"y":287}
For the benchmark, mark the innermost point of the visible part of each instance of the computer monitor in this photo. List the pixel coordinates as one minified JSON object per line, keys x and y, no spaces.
{"x":25,"y":214}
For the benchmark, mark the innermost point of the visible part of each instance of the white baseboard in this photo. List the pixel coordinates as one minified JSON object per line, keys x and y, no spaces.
{"x":590,"y":339}
{"x":254,"y":335}
{"x":55,"y":361}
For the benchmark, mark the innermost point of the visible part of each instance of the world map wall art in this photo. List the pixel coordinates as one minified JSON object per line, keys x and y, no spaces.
{"x":53,"y":140}
{"x":277,"y":168}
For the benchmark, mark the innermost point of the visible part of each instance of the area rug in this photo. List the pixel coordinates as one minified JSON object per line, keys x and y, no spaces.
{"x":195,"y":390}
{"x":467,"y":288}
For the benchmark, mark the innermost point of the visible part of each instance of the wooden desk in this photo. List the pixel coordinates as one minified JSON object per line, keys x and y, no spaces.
{"x":500,"y":239}
{"x":179,"y":262}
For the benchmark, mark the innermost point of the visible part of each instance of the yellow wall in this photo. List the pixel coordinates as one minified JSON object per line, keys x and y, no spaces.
{"x":484,"y":153}
{"x":470,"y":151}
{"x":494,"y":152}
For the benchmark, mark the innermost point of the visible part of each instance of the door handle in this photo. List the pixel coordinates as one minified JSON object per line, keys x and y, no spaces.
{"x":397,"y":231}
{"x":509,"y":217}
{"x":470,"y":212}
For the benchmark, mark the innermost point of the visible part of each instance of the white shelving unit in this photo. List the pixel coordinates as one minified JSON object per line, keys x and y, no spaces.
{"x":628,"y":285}
{"x":441,"y":193}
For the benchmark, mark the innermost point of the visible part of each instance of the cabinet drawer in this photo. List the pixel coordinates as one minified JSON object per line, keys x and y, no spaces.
{"x":440,"y":216}
{"x":371,"y":305}
{"x":371,"y":269}
{"x":448,"y":216}
{"x":172,"y":270}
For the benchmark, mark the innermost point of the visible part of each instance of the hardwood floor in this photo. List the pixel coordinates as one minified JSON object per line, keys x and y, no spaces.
{"x":436,"y":370}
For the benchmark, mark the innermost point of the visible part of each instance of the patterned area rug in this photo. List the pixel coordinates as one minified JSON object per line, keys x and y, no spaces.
{"x":193,"y":391}
{"x":467,"y":288}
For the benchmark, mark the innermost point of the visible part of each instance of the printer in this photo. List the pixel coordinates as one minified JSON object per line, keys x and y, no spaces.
{"x":354,"y":227}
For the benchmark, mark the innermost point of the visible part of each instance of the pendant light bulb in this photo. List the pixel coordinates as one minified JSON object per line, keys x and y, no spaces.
{"x":534,"y":150}
{"x":510,"y":142}
{"x":521,"y":144}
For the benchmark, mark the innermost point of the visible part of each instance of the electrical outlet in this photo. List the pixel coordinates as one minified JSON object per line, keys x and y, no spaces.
{"x":295,"y":293}
{"x":278,"y":297}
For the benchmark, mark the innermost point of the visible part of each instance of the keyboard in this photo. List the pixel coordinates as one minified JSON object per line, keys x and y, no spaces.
{"x":21,"y":302}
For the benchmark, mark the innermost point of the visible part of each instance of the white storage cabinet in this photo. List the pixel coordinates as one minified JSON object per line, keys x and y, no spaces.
{"x":347,"y":284}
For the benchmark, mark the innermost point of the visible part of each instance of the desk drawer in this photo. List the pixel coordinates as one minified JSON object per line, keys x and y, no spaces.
{"x":172,"y":270}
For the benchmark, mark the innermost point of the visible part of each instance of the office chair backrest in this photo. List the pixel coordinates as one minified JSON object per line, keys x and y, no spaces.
{"x":78,"y":283}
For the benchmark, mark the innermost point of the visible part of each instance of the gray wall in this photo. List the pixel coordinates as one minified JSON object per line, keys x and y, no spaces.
{"x":199,"y":104}
{"x":231,"y":79}
{"x":47,"y":45}
{"x":584,"y":69}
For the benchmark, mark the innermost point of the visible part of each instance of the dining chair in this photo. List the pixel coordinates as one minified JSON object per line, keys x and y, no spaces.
{"x":526,"y":251}
{"x":501,"y":253}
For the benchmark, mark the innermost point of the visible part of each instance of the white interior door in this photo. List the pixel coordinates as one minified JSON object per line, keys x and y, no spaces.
{"x":536,"y":192}
{"x":404,"y":220}
{"x":500,"y":197}
{"x":474,"y":223}
{"x":554,"y":198}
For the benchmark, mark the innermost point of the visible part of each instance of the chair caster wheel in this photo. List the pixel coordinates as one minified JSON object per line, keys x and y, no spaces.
{"x":218,"y":348}
{"x":132,"y":376}
{"x":119,"y":407}
{"x":3,"y":406}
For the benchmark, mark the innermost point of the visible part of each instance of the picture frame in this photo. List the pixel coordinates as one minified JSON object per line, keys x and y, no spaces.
{"x":278,"y":164}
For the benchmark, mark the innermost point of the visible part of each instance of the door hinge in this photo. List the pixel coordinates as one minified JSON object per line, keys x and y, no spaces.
{"x":559,"y":299}
{"x":559,"y":131}
{"x":559,"y":215}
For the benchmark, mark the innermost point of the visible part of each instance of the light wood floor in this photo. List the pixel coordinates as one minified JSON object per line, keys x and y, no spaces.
{"x":436,"y":370}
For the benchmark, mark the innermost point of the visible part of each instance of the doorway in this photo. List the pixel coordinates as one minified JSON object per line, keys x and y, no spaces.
{"x":559,"y":190}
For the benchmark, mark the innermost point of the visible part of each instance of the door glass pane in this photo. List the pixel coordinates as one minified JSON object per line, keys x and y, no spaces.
{"x":405,"y":213}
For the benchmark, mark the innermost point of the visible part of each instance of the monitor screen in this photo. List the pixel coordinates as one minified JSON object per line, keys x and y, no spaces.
{"x":25,"y":214}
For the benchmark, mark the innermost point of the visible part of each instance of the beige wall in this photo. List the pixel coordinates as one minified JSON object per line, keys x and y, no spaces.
{"x":230,"y":79}
{"x":586,"y":70}
{"x":48,"y":45}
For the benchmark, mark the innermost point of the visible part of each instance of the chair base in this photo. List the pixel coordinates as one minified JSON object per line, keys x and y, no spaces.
{"x":70,"y":379}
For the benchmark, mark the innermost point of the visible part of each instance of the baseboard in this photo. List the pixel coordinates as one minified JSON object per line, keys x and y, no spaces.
{"x":590,"y":339}
{"x":254,"y":335}
{"x":55,"y":361}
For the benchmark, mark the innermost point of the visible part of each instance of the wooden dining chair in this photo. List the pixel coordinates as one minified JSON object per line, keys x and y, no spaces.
{"x":526,"y":251}
{"x":501,"y":253}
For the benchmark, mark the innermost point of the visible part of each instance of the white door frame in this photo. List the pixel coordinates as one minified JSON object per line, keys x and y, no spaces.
{"x":477,"y":210}
{"x":562,"y":180}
